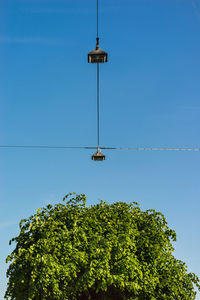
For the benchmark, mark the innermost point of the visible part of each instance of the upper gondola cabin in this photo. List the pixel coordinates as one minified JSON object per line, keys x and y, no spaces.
{"x":97,"y":55}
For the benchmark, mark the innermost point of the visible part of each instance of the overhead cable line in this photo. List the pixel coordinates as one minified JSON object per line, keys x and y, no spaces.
{"x":104,"y":148}
{"x":45,"y":147}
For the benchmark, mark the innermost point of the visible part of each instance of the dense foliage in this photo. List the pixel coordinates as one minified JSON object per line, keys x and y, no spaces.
{"x":105,"y":251}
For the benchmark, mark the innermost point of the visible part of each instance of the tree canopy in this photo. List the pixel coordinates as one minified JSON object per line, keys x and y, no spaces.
{"x":104,"y":251}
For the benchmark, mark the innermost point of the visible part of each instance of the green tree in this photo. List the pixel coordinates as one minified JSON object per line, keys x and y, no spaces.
{"x":105,"y":251}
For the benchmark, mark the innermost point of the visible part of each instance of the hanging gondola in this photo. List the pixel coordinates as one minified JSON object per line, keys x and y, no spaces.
{"x":98,"y":156}
{"x":97,"y":55}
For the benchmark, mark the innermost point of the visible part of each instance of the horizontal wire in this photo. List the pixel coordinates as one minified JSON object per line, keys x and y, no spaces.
{"x":103,"y":148}
{"x":151,"y":149}
{"x":45,"y":147}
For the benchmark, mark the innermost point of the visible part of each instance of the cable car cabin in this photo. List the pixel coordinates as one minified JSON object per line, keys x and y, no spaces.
{"x":98,"y":156}
{"x":97,"y":56}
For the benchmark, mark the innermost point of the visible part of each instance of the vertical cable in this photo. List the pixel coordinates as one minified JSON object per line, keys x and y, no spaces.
{"x":98,"y":105}
{"x":98,"y":77}
{"x":97,"y":18}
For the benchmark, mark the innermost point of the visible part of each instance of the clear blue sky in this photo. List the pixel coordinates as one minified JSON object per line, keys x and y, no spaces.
{"x":150,"y":96}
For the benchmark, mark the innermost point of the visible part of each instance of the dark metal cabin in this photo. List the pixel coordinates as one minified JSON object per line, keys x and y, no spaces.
{"x":98,"y":156}
{"x":97,"y":55}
